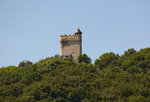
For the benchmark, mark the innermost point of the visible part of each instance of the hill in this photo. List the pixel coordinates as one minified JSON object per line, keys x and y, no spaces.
{"x":111,"y":78}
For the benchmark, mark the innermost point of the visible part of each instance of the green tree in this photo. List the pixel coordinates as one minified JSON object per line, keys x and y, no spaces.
{"x":106,"y":59}
{"x":129,"y":52}
{"x":83,"y":58}
{"x":25,"y":64}
{"x":55,"y":80}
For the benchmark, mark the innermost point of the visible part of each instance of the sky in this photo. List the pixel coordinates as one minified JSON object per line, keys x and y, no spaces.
{"x":30,"y":29}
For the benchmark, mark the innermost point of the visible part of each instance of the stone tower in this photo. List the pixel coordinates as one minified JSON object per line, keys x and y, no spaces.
{"x":71,"y":46}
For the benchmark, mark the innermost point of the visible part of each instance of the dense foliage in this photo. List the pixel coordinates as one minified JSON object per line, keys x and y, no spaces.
{"x":111,"y":78}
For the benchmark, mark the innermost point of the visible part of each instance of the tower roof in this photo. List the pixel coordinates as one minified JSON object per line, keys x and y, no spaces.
{"x":78,"y":31}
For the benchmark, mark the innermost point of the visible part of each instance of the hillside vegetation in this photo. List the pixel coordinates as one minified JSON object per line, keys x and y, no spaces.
{"x":112,"y":78}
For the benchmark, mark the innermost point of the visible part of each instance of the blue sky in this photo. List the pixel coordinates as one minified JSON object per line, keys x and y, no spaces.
{"x":30,"y":29}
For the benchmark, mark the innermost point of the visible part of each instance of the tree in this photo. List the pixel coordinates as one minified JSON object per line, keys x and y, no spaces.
{"x":105,"y":60}
{"x":83,"y":58}
{"x":25,"y":63}
{"x":129,"y":52}
{"x":137,"y":57}
{"x":46,"y":65}
{"x":54,"y":80}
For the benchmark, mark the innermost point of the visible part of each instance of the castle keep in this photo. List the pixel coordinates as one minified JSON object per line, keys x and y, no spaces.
{"x":71,"y":45}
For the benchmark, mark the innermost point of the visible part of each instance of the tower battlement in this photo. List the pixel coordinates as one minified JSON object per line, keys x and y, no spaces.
{"x":69,"y":38}
{"x":71,"y":45}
